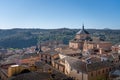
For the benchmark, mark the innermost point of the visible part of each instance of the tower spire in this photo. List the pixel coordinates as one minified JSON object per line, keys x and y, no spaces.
{"x":40,"y":47}
{"x":83,"y":26}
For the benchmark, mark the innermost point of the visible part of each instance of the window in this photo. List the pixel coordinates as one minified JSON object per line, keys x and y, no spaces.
{"x":78,"y":71}
{"x":106,"y":70}
{"x":110,"y":69}
{"x":111,"y":61}
{"x":41,"y":55}
{"x":103,"y":71}
{"x":91,"y":74}
{"x":98,"y":72}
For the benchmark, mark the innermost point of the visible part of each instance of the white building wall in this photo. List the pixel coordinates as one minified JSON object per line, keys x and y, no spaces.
{"x":61,"y":56}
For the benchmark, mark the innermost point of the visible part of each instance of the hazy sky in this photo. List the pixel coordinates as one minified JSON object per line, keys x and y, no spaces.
{"x":59,"y":14}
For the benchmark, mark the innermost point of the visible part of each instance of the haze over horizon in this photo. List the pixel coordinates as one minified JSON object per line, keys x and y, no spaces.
{"x":53,"y":14}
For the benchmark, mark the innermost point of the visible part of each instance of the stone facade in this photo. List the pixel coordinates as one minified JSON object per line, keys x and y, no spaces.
{"x":48,"y":56}
{"x":98,"y":47}
{"x":76,"y":44}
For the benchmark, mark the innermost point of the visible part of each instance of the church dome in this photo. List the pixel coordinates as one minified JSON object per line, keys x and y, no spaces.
{"x":82,"y":31}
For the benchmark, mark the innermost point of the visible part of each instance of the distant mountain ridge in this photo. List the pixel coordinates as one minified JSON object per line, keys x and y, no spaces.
{"x":21,"y":38}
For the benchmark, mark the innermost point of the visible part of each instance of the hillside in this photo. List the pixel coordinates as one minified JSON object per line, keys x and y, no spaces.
{"x":21,"y":38}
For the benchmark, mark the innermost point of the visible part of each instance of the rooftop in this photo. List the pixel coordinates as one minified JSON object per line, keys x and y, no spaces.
{"x":85,"y":67}
{"x":82,"y":31}
{"x":28,"y":55}
{"x":70,"y":51}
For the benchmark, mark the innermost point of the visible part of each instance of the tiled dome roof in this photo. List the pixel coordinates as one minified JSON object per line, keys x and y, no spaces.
{"x":82,"y":31}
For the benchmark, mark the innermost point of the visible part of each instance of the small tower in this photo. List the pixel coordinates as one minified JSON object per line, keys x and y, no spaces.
{"x":36,"y":49}
{"x":83,"y":26}
{"x":40,"y":48}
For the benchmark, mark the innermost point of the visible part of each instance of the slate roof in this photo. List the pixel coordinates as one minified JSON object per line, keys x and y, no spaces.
{"x":115,"y":73}
{"x":82,"y":31}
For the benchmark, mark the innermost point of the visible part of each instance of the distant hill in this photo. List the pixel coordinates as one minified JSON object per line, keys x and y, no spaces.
{"x":107,"y":29}
{"x":21,"y":38}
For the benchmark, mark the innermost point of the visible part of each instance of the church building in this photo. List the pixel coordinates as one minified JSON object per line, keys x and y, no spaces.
{"x":78,"y":41}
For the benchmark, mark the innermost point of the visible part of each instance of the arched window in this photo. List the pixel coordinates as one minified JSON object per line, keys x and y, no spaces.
{"x":91,"y":74}
{"x":98,"y":72}
{"x":103,"y":71}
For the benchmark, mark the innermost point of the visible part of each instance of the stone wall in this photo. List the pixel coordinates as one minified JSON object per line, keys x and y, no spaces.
{"x":78,"y":75}
{"x":101,"y":74}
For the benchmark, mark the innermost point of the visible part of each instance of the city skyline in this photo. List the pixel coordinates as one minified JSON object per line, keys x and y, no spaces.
{"x":52,"y":14}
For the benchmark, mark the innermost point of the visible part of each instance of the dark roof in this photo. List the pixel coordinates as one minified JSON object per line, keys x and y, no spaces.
{"x":115,"y":73}
{"x":32,"y":76}
{"x":81,"y":40}
{"x":37,"y":49}
{"x":82,"y":31}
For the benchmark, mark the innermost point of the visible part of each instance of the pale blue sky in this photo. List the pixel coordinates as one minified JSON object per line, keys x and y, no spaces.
{"x":59,"y":13}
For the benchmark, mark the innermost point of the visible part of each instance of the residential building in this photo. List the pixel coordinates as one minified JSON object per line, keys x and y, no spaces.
{"x":48,"y":56}
{"x":83,"y":69}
